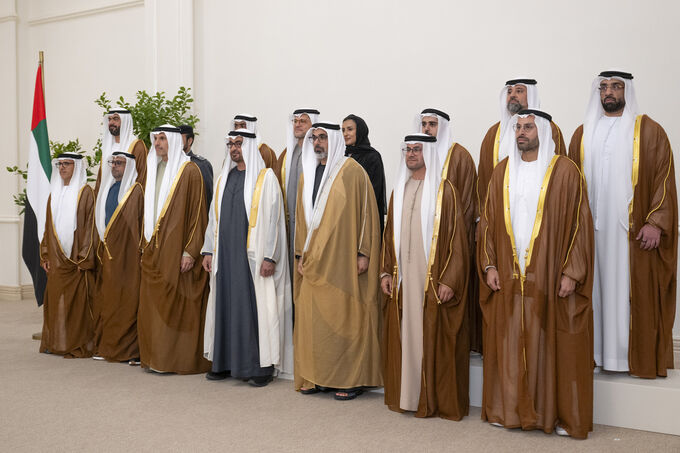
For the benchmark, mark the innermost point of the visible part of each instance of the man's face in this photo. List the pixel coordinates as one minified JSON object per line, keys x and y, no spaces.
{"x":349,"y":132}
{"x":160,"y":142}
{"x":186,"y":143}
{"x":526,"y":134}
{"x":114,"y":124}
{"x":235,"y":145}
{"x":301,"y":125}
{"x":240,"y":124}
{"x":429,"y":125}
{"x":612,"y":95}
{"x":118,"y":164}
{"x":516,"y":98}
{"x":413,"y":154}
{"x":319,"y":138}
{"x":66,"y":167}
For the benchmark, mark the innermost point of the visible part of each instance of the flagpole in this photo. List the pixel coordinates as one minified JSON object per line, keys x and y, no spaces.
{"x":41,"y":62}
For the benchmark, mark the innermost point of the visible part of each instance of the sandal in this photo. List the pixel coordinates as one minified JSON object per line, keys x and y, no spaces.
{"x":309,"y":391}
{"x":348,"y":394}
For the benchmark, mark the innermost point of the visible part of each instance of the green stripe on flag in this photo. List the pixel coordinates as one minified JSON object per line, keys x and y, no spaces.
{"x":40,"y":135}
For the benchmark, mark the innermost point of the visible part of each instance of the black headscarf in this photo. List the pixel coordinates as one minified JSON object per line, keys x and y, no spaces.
{"x":369,"y":158}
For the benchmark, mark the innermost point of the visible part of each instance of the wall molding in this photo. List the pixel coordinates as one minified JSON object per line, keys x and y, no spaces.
{"x":9,"y":18}
{"x":10,"y":292}
{"x":676,"y":348}
{"x":86,"y":12}
{"x":10,"y":219}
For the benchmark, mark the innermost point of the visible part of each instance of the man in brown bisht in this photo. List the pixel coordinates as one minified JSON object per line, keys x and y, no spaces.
{"x":67,"y":255}
{"x":118,"y":136}
{"x":516,"y":94}
{"x":249,"y":122}
{"x":203,"y":164}
{"x":627,"y":163}
{"x":458,"y":167}
{"x":535,"y":255}
{"x":119,"y":220}
{"x":337,"y":251}
{"x":173,"y":288}
{"x":424,"y":275}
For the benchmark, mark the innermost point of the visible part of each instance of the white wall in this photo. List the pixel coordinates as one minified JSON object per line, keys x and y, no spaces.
{"x":381,"y":59}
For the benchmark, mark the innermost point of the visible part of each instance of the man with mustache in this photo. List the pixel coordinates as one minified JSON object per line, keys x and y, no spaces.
{"x":535,"y":259}
{"x":627,"y":163}
{"x":337,"y":256}
{"x":118,"y":136}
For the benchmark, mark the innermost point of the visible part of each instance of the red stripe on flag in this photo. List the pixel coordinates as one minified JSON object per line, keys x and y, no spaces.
{"x":38,"y":101}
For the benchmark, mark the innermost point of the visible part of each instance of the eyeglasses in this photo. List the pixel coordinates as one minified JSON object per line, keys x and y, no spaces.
{"x":115,"y":163}
{"x":320,"y":137}
{"x":64,"y":163}
{"x":614,"y":87}
{"x":526,"y":127}
{"x":236,"y":145}
{"x":412,"y":150}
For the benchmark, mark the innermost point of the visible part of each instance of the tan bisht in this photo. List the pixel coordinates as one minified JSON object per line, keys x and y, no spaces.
{"x":128,"y":143}
{"x":652,"y":274}
{"x":68,"y":323}
{"x":439,"y":339}
{"x":337,"y":312}
{"x":538,"y":359}
{"x":172,"y":304}
{"x":268,"y":156}
{"x":117,"y":289}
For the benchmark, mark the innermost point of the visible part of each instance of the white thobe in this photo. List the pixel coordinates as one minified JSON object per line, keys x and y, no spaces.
{"x":523,"y":206}
{"x":611,"y":285}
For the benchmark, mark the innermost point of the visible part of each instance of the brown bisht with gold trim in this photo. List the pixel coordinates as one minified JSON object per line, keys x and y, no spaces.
{"x":68,"y":326}
{"x":653,"y":279}
{"x":538,"y":350}
{"x":446,"y":357}
{"x":172,"y":304}
{"x":118,"y":273}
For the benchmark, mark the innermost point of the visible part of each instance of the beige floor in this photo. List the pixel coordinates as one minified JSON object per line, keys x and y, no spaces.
{"x":48,"y":403}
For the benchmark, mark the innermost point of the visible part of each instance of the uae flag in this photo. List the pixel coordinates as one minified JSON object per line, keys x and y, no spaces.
{"x":37,"y":190}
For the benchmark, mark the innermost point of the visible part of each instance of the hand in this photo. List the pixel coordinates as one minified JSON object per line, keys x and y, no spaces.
{"x":386,"y":285}
{"x":649,"y":237}
{"x":267,"y":269}
{"x":299,"y":267}
{"x":444,"y":293}
{"x":492,"y":279}
{"x":46,"y":265}
{"x":567,"y":286}
{"x":362,"y":264}
{"x":186,"y":264}
{"x":207,"y":263}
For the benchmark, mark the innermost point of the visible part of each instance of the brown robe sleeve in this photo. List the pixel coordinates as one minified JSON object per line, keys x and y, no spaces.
{"x":452,"y":248}
{"x":486,"y":249}
{"x":84,"y":239}
{"x":485,"y":165}
{"x":580,"y":255}
{"x":575,"y":146}
{"x":558,"y":139}
{"x":269,"y":156}
{"x":196,"y":217}
{"x":278,"y":170}
{"x":140,"y":152}
{"x":388,"y":260}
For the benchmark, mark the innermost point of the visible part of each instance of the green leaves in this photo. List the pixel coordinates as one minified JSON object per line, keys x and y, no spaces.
{"x":150,"y":111}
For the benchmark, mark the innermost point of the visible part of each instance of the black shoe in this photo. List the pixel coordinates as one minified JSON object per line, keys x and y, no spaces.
{"x":217,"y":375}
{"x":260,"y":381}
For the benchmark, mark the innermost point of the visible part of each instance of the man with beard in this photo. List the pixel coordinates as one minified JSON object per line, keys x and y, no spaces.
{"x":425,"y":339}
{"x":248,"y":330}
{"x":119,"y":222}
{"x":456,"y":165}
{"x":337,"y":250}
{"x":249,"y":122}
{"x":289,"y":169}
{"x":536,"y":258}
{"x":203,"y":164}
{"x":119,"y":136}
{"x":627,"y":163}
